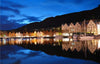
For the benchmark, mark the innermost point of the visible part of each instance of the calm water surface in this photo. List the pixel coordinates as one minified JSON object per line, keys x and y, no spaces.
{"x":49,"y":51}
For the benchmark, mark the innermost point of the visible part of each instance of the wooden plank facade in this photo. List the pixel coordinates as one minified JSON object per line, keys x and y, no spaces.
{"x":90,"y":26}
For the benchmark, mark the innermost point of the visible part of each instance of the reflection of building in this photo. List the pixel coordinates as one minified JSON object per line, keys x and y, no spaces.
{"x":72,"y":46}
{"x":92,"y":45}
{"x":78,"y":46}
{"x":65,"y":46}
{"x":0,"y":42}
{"x":18,"y":41}
{"x":98,"y":44}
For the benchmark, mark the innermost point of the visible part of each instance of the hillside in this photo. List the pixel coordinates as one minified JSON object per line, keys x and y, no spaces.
{"x":58,"y":20}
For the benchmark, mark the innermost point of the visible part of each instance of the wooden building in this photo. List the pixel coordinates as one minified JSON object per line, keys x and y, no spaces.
{"x":71,"y":28}
{"x":77,"y":27}
{"x":92,"y":27}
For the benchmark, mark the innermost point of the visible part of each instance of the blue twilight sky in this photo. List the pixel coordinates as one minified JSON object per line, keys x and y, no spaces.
{"x":16,"y":13}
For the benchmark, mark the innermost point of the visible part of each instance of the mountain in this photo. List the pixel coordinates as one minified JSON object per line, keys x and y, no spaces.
{"x":58,"y":20}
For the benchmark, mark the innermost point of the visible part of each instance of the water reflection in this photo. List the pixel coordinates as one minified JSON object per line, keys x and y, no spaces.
{"x":66,"y":43}
{"x":99,"y":44}
{"x":63,"y":47}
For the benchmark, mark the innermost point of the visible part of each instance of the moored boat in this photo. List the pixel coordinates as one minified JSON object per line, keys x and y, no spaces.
{"x":86,"y":37}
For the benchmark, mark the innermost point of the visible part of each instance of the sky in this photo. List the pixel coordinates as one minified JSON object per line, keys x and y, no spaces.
{"x":17,"y":13}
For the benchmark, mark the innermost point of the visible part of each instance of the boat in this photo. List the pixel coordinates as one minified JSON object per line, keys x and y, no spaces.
{"x":86,"y":37}
{"x":97,"y":37}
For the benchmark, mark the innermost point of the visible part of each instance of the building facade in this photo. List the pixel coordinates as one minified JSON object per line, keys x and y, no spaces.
{"x":90,"y":26}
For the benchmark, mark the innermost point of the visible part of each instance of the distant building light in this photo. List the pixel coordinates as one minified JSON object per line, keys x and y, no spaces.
{"x":71,"y":39}
{"x":65,"y":39}
{"x":54,"y":35}
{"x":98,"y":28}
{"x":99,"y":44}
{"x":65,"y":34}
{"x":47,"y":35}
{"x":47,"y":39}
{"x":71,"y":34}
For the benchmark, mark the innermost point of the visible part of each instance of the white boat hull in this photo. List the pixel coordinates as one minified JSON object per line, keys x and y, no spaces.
{"x":87,"y":38}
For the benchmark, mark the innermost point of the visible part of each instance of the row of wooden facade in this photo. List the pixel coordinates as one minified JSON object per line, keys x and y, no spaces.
{"x":86,"y":26}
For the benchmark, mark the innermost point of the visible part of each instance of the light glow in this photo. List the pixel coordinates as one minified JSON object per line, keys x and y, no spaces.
{"x":99,"y":44}
{"x":71,"y":34}
{"x":98,"y":28}
{"x":47,"y":35}
{"x":65,"y":39}
{"x":65,"y":34}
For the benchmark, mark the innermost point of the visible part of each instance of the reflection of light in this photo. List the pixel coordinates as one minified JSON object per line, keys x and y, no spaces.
{"x":73,"y":43}
{"x":71,"y":34}
{"x":54,"y":44}
{"x":12,"y":41}
{"x":65,"y":34}
{"x":57,"y":40}
{"x":35,"y":43}
{"x":98,"y":28}
{"x":27,"y":35}
{"x":0,"y":41}
{"x":47,"y":39}
{"x":71,"y":39}
{"x":54,"y":35}
{"x":47,"y":35}
{"x":71,"y":47}
{"x":99,"y":44}
{"x":4,"y":41}
{"x":18,"y":41}
{"x":42,"y":40}
{"x":30,"y":38}
{"x":27,"y":39}
{"x":65,"y":39}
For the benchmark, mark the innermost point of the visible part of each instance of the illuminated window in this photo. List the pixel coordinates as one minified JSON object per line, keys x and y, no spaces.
{"x":98,"y":28}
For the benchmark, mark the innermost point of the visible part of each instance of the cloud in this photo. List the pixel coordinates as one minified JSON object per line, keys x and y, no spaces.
{"x":4,"y":19}
{"x":32,"y":18}
{"x":10,"y":9}
{"x":5,"y":24}
{"x":10,"y":26}
{"x":13,"y":4}
{"x":27,"y":19}
{"x":67,"y":1}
